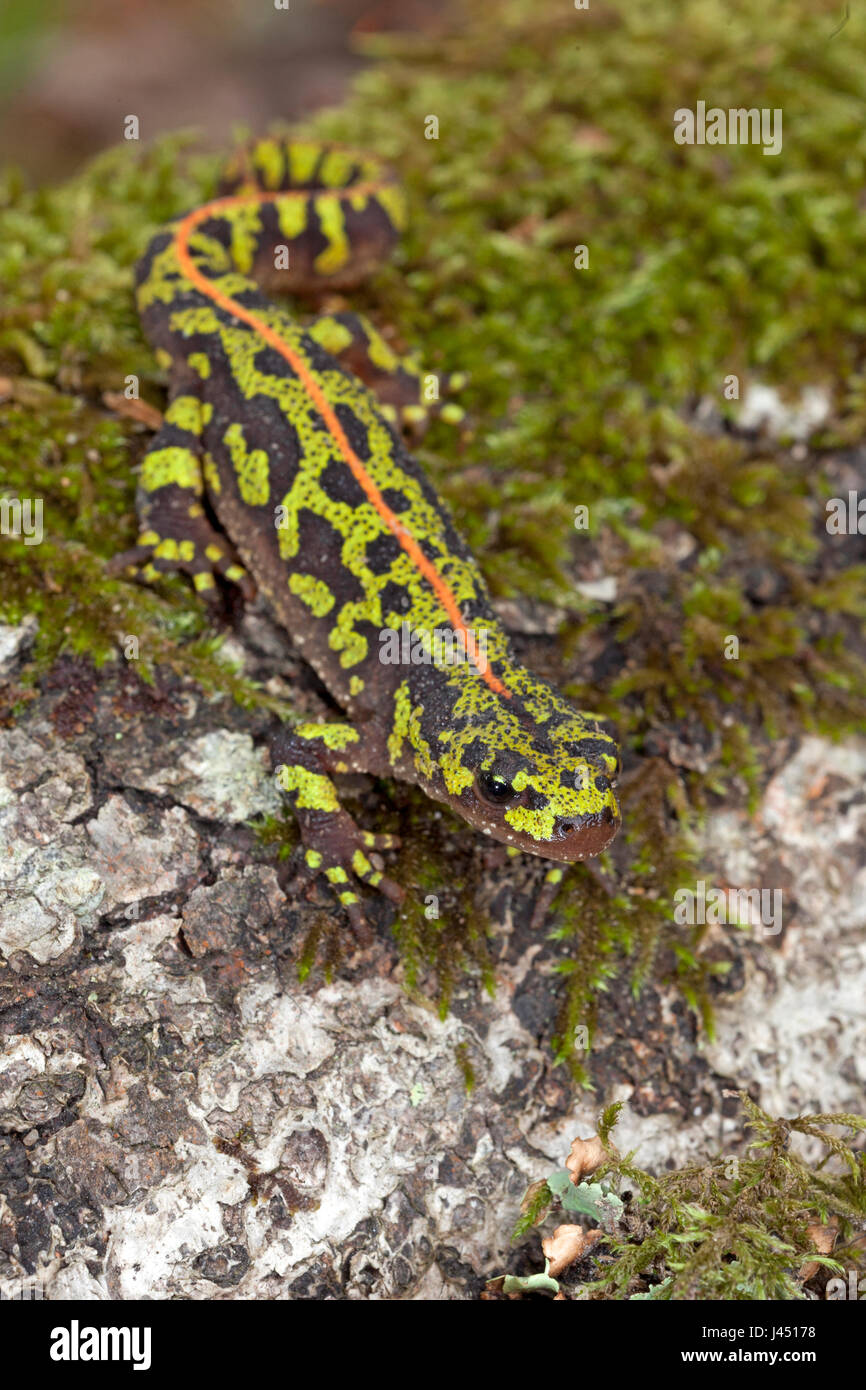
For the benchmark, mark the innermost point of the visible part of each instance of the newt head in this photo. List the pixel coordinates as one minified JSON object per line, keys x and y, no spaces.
{"x":544,"y":787}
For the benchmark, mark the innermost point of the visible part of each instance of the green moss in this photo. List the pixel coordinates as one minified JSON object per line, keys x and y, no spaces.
{"x":632,"y":929}
{"x":442,"y":926}
{"x":555,"y":130}
{"x":68,"y":315}
{"x":467,"y":1071}
{"x":735,"y":1228}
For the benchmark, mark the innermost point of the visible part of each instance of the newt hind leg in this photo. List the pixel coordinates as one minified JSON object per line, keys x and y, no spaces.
{"x":176,"y":533}
{"x":408,"y":396}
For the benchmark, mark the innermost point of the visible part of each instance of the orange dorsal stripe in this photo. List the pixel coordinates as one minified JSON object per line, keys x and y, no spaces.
{"x":185,"y":228}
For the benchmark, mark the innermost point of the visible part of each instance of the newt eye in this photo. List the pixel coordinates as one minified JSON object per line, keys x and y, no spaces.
{"x":495,"y":789}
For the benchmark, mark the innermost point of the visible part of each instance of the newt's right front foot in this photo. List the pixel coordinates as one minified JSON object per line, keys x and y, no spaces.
{"x":333,"y":845}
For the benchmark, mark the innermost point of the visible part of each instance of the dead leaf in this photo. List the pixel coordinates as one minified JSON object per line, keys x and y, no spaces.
{"x":493,"y":1287}
{"x":823,"y":1238}
{"x":584,"y":1157}
{"x":566,"y":1245}
{"x":137,"y":410}
{"x":529,"y":1197}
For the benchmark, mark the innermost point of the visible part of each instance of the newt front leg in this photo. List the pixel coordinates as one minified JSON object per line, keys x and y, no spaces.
{"x":333,"y":845}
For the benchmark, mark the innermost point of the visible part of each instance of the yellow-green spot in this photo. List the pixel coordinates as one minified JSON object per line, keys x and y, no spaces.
{"x":251,"y":467}
{"x":173,"y":465}
{"x":378,"y":350}
{"x":313,"y":791}
{"x":269,"y":160}
{"x":211,"y":473}
{"x":335,"y":169}
{"x":200,"y":362}
{"x":303,"y":158}
{"x":406,"y":724}
{"x":313,"y":859}
{"x":245,"y":227}
{"x":334,"y":337}
{"x":202,"y":319}
{"x":333,"y":227}
{"x":538,"y":824}
{"x":189,"y":413}
{"x":292,"y":215}
{"x":344,"y":638}
{"x":313,"y":592}
{"x":392,"y":200}
{"x":334,"y":736}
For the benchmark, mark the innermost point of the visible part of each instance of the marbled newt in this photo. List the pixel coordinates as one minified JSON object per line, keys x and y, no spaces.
{"x":281,"y":466}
